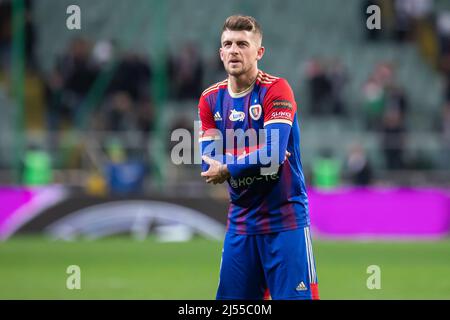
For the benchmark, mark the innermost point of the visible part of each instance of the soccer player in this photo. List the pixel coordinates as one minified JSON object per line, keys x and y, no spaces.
{"x":268,"y":241}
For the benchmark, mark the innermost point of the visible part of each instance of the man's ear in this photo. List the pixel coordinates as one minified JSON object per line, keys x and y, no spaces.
{"x":221,"y":54}
{"x":260,"y":53}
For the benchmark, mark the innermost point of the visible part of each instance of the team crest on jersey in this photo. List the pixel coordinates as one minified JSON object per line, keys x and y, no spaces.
{"x":255,"y":111}
{"x":236,"y":115}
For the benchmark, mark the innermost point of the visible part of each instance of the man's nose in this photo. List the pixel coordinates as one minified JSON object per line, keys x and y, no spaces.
{"x":234,"y":48}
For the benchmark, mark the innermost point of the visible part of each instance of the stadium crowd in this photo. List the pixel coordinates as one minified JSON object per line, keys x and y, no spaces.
{"x":126,"y":102}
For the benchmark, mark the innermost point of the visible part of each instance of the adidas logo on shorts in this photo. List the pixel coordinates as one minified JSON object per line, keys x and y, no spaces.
{"x":301,"y":287}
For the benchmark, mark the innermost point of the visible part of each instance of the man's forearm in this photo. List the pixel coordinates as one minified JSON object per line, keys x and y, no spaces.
{"x":271,"y":156}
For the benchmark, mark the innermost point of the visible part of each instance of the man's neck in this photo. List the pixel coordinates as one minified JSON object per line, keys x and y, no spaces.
{"x":243,"y":82}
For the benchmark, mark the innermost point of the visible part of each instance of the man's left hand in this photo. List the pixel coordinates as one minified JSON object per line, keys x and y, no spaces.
{"x":217,"y":172}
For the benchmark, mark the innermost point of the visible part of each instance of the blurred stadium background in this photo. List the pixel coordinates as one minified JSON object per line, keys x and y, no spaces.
{"x":86,"y":176}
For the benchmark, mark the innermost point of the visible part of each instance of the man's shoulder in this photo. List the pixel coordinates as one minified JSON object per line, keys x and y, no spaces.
{"x":214,"y":88}
{"x":267,"y":80}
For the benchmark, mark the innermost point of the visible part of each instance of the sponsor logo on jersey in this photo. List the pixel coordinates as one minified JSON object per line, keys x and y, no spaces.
{"x":236,"y":115}
{"x":217,"y":116}
{"x":247,"y":181}
{"x":255,"y":111}
{"x":282,"y":104}
{"x":281,"y":115}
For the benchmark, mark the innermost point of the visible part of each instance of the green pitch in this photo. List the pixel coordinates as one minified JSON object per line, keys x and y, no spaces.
{"x":121,"y":268}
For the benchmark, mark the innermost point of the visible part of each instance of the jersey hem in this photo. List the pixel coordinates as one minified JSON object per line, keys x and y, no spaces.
{"x":276,"y":230}
{"x":299,"y":297}
{"x":238,"y":298}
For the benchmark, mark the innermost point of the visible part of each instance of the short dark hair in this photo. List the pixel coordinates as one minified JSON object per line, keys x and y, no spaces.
{"x":242,"y":23}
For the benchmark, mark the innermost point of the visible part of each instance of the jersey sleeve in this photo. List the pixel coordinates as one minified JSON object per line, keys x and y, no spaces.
{"x":210,"y":138}
{"x":208,"y":130}
{"x":279,"y":104}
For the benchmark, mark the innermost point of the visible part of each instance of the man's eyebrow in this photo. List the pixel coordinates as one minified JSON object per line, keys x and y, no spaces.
{"x":237,"y":41}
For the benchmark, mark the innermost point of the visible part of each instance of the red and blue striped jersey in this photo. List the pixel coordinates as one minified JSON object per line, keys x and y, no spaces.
{"x":259,"y":203}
